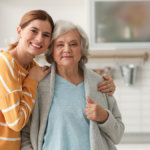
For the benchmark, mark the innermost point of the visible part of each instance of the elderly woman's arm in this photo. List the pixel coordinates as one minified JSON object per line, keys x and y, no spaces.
{"x":109,"y":121}
{"x":113,"y":126}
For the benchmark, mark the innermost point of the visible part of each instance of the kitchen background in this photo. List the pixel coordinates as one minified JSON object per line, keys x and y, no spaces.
{"x":130,"y":69}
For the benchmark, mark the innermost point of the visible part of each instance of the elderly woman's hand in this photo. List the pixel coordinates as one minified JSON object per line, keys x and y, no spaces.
{"x":107,"y":86}
{"x":95,"y":112}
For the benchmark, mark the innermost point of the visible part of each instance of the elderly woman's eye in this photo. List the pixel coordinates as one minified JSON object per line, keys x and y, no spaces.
{"x":74,"y":44}
{"x":59,"y":45}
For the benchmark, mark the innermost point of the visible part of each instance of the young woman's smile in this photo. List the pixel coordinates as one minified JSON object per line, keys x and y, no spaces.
{"x":35,"y":37}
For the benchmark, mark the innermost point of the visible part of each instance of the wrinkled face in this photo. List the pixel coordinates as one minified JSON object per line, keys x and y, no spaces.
{"x":67,"y":49}
{"x":35,"y":37}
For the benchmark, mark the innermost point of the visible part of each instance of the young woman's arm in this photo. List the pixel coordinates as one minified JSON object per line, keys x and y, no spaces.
{"x":17,"y":97}
{"x":108,"y":85}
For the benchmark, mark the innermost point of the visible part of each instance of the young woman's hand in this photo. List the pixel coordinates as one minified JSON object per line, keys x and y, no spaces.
{"x":38,"y":73}
{"x":107,"y":86}
{"x":95,"y":112}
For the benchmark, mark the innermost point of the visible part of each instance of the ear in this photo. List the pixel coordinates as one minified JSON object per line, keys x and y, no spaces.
{"x":19,"y":31}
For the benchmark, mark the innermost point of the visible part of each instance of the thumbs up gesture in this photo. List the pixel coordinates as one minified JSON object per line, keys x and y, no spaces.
{"x":95,"y":112}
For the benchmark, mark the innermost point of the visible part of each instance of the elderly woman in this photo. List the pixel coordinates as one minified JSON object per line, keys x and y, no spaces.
{"x":70,"y":114}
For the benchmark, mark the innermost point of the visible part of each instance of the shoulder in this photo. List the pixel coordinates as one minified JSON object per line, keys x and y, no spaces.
{"x":7,"y":63}
{"x":45,"y":81}
{"x":48,"y":82}
{"x":32,"y":64}
{"x":91,"y":80}
{"x":5,"y":58}
{"x":91,"y":75}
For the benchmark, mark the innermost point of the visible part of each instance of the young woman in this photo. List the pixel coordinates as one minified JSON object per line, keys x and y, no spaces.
{"x":19,"y":75}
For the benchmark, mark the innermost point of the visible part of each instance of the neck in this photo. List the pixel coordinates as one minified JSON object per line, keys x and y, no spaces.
{"x":72,"y":74}
{"x":20,"y":55}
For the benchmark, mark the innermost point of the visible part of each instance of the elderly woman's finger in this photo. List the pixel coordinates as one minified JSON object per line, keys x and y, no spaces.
{"x":89,"y":114}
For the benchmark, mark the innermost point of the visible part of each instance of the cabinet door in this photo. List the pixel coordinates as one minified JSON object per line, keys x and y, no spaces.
{"x":120,"y":24}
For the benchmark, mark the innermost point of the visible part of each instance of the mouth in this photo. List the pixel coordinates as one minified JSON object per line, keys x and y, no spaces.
{"x":37,"y":46}
{"x":67,"y":57}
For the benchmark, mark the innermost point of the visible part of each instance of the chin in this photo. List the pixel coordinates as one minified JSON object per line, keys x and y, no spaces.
{"x":70,"y":64}
{"x":36,"y":53}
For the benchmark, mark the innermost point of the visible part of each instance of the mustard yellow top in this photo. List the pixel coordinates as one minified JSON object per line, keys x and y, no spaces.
{"x":17,"y":98}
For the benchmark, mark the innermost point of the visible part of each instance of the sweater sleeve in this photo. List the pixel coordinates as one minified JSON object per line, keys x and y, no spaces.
{"x":17,"y":97}
{"x":113,"y":126}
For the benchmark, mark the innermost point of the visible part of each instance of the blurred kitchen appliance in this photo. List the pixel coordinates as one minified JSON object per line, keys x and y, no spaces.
{"x":128,"y":72}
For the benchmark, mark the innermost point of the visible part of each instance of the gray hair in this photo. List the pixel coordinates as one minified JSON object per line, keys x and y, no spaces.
{"x":62,"y":27}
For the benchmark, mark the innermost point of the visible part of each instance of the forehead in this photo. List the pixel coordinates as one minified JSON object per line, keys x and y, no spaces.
{"x":69,"y":36}
{"x":43,"y":25}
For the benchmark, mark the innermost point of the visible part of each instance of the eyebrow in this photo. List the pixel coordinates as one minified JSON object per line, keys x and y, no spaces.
{"x":69,"y":41}
{"x":38,"y":29}
{"x":74,"y":41}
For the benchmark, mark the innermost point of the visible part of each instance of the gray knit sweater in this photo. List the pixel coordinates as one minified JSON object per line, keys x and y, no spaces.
{"x":102,"y":136}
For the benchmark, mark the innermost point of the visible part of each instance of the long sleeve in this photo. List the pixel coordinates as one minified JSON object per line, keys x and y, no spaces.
{"x":103,"y":135}
{"x":113,"y":126}
{"x":17,"y":94}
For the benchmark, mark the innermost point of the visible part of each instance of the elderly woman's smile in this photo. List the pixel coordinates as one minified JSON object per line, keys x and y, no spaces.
{"x":67,"y":57}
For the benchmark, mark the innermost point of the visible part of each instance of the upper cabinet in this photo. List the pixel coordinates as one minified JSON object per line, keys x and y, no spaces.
{"x":120,"y":25}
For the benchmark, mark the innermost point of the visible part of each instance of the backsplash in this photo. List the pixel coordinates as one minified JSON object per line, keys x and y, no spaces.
{"x":134,"y":100}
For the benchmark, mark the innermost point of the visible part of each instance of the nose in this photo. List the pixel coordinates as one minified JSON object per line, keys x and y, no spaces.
{"x":39,"y":37}
{"x":67,"y":48}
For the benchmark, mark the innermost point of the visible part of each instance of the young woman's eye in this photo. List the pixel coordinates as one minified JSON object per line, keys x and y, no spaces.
{"x":34,"y":31}
{"x":46,"y":35}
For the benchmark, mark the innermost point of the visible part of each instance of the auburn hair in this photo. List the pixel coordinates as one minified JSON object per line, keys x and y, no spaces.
{"x":29,"y":17}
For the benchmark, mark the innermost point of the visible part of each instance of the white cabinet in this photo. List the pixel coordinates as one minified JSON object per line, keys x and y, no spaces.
{"x":120,"y":24}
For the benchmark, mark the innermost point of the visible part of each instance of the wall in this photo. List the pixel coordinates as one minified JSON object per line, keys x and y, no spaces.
{"x":77,"y":11}
{"x":12,"y":11}
{"x":133,"y":100}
